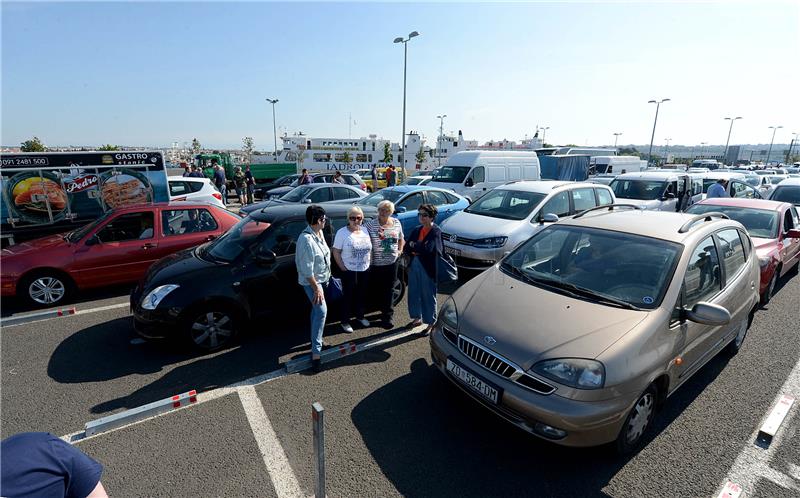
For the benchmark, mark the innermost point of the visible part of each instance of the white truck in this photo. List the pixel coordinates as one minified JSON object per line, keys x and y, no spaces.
{"x":473,"y":173}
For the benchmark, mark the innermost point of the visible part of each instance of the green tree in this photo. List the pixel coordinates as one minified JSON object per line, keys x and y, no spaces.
{"x":108,"y":147}
{"x":629,"y":151}
{"x":32,"y":145}
{"x":387,"y":154}
{"x":248,"y":148}
{"x":420,"y":156}
{"x":195,"y":146}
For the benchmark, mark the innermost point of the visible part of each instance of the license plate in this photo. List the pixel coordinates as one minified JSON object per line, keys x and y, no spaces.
{"x":472,"y":381}
{"x":452,"y":250}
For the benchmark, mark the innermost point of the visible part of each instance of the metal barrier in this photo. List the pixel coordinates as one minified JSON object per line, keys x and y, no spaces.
{"x":32,"y":317}
{"x":318,"y":424}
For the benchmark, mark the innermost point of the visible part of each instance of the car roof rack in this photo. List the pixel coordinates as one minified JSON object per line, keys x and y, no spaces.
{"x":609,"y":207}
{"x":702,"y":217}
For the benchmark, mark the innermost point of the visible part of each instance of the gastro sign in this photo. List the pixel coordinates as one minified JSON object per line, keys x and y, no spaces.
{"x":81,"y":183}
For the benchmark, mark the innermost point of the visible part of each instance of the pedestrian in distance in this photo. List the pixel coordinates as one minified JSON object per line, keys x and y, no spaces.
{"x":239,"y":182}
{"x":304,"y":178}
{"x":220,"y":181}
{"x":35,"y":464}
{"x":389,"y":174}
{"x":423,"y":247}
{"x":352,"y":250}
{"x":373,"y":173}
{"x":187,"y":171}
{"x":337,"y":178}
{"x":386,"y":235}
{"x":197,"y":172}
{"x":719,"y":189}
{"x":313,"y":262}
{"x":251,"y":184}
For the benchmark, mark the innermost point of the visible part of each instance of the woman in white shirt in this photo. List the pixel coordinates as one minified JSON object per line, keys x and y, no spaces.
{"x":352,"y":250}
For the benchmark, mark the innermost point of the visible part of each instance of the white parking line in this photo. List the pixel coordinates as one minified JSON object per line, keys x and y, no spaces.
{"x":278,"y":467}
{"x":752,"y":463}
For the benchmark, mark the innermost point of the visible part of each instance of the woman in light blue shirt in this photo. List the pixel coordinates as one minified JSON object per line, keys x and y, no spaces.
{"x":313,"y":261}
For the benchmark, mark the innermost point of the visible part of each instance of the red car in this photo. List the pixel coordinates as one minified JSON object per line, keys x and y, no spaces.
{"x":117,"y":248}
{"x":774,"y":228}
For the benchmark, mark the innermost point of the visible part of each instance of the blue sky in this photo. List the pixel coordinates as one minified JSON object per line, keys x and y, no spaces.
{"x":151,"y":73}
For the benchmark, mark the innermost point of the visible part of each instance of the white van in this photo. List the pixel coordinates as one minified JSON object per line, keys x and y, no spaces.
{"x":473,"y":173}
{"x":603,"y":165}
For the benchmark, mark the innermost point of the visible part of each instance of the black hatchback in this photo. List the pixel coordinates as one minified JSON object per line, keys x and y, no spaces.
{"x":208,"y":294}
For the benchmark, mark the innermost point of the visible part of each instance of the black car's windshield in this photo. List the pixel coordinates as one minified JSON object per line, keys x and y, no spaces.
{"x":644,"y":190}
{"x":506,"y":204}
{"x":296,"y":195}
{"x":450,"y":174}
{"x":758,"y":222}
{"x":600,"y":265}
{"x":234,"y":241}
{"x":787,"y":194}
{"x":381,"y":195}
{"x":79,"y":233}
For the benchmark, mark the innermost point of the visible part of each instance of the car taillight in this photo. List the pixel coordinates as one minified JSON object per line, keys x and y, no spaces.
{"x":217,"y":196}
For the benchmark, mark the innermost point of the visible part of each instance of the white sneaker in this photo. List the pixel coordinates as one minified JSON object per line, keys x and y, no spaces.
{"x":347,"y":328}
{"x":364,"y":322}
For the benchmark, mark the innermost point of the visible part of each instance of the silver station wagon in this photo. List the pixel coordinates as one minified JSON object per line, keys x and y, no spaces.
{"x":582,"y":332}
{"x":507,"y":216}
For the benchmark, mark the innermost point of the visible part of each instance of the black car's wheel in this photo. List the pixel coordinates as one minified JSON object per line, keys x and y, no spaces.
{"x":766,"y":297}
{"x":398,"y":291}
{"x":638,"y":422}
{"x":45,"y":288}
{"x":212,"y":327}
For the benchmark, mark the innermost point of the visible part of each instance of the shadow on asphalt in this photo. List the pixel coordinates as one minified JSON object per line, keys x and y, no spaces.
{"x":451,"y":446}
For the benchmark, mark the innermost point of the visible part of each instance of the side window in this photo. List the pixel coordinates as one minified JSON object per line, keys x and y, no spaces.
{"x":352,"y":194}
{"x":603,"y":197}
{"x":437,"y":198}
{"x":746,"y":243}
{"x":788,"y":222}
{"x":182,"y":221}
{"x":795,"y":217}
{"x":681,"y":187}
{"x":732,"y":251}
{"x":702,"y":280}
{"x":322,"y":179}
{"x":478,"y":174}
{"x":195,"y":186}
{"x":320,"y":195}
{"x":342,"y":193}
{"x":351,"y":180}
{"x":451,"y":199}
{"x":558,"y":205}
{"x":282,"y":240}
{"x":131,"y":226}
{"x":411,"y":202}
{"x":583,"y":199}
{"x":178,"y":188}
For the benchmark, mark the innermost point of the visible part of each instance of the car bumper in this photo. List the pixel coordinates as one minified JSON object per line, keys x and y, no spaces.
{"x":160,"y":323}
{"x":473,"y":258}
{"x":585,"y":423}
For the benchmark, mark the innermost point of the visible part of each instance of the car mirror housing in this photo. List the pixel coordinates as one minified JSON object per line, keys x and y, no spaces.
{"x":793,"y":233}
{"x":549,"y":218}
{"x":93,"y":240}
{"x":265,"y":257}
{"x":401,"y":209}
{"x":669,"y":195}
{"x":708,"y":314}
{"x":469,"y":182}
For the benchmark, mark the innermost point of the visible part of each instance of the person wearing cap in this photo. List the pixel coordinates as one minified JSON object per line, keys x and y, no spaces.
{"x":313,"y":262}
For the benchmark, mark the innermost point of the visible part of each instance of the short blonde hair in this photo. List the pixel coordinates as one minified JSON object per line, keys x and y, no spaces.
{"x":386,"y":204}
{"x":355,"y":209}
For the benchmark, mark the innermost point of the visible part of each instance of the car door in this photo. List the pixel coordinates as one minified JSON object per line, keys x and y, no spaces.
{"x":790,"y":248}
{"x":475,"y":183}
{"x":408,"y":214}
{"x":343,"y":193}
{"x":669,"y":199}
{"x":119,"y":250}
{"x":443,"y":205}
{"x":582,"y":199}
{"x":322,"y":194}
{"x":185,"y":228}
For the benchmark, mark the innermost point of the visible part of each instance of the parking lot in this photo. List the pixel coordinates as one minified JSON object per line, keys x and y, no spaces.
{"x":393,"y":424}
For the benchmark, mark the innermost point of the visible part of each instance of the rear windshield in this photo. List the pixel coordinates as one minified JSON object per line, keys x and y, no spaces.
{"x":644,"y":190}
{"x":758,"y":222}
{"x":787,"y":193}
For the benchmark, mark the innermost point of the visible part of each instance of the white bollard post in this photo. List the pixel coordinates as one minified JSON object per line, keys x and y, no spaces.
{"x":318,"y":423}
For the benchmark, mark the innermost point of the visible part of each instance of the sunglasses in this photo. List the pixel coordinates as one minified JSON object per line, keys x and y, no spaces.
{"x":356,"y":218}
{"x":424,"y":215}
{"x":322,"y":219}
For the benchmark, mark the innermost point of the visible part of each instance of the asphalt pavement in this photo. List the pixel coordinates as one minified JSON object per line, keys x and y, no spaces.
{"x":393,"y":424}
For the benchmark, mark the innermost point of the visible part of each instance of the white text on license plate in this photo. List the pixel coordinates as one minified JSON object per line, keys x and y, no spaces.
{"x":452,"y":250}
{"x":472,"y":381}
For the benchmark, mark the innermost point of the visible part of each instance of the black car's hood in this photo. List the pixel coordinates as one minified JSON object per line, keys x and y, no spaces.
{"x":261,"y":205}
{"x":177,"y":268}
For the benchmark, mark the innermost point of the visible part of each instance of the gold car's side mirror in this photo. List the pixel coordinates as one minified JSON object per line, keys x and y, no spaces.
{"x":708,"y":314}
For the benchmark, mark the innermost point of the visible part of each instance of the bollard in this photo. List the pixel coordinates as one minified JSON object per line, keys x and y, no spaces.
{"x":318,"y":423}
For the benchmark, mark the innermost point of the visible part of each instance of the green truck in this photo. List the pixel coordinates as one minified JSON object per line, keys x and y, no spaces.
{"x":263,"y":172}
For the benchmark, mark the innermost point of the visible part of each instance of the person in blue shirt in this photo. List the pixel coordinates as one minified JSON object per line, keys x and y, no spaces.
{"x":717,"y":190}
{"x":40,"y":465}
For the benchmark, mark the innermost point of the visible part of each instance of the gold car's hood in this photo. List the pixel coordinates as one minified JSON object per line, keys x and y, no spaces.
{"x":529,"y":324}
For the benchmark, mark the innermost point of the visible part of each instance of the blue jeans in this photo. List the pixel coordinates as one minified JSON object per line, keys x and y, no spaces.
{"x":318,"y":314}
{"x":421,"y":293}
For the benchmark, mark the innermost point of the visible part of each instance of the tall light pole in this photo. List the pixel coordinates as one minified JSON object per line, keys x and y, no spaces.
{"x":404,"y":41}
{"x":725,"y":154}
{"x":791,"y":147}
{"x":774,"y":129}
{"x":441,"y":136}
{"x":653,"y":136}
{"x":666,"y":148}
{"x":274,"y":128}
{"x":616,"y":136}
{"x":544,"y":132}
{"x":703,"y":149}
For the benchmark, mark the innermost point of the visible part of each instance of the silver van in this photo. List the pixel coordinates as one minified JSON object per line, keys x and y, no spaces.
{"x":654,"y":190}
{"x":509,"y":215}
{"x":473,"y":173}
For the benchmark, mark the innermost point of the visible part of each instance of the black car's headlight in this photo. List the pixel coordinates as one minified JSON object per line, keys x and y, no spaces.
{"x":154,"y":297}
{"x":574,"y":372}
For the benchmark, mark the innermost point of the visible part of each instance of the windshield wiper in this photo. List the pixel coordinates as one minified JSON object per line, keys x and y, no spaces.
{"x":539,"y":282}
{"x":582,"y":291}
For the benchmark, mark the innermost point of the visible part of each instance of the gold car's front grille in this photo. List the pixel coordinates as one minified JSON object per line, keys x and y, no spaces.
{"x":485,"y":358}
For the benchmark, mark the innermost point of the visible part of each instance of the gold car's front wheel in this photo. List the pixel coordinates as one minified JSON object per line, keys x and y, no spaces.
{"x":638,"y":422}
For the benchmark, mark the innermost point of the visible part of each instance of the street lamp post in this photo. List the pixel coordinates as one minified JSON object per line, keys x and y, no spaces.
{"x":616,"y":136}
{"x":544,"y":132}
{"x":774,"y":129}
{"x":404,"y":41}
{"x":653,"y":136}
{"x":441,"y":136}
{"x":791,"y":147}
{"x":274,"y":128}
{"x":703,"y":149}
{"x":725,"y":155}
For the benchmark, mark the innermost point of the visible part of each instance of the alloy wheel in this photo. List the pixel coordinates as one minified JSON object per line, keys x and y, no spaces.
{"x":640,"y":419}
{"x":47,"y":290}
{"x":212,"y":329}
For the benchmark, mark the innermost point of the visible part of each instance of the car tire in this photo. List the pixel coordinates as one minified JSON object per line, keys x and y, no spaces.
{"x":766,"y":297}
{"x":45,"y":288}
{"x":733,"y":347}
{"x":398,"y":290}
{"x":638,"y":422}
{"x":212,"y":327}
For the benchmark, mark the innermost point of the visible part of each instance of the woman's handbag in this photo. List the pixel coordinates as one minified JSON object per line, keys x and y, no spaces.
{"x":447,"y":270}
{"x":334,"y":291}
